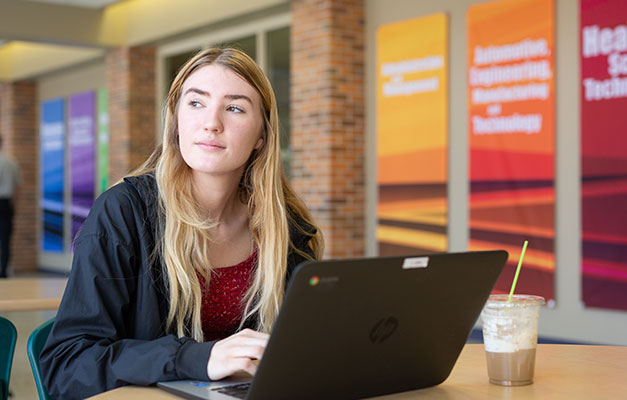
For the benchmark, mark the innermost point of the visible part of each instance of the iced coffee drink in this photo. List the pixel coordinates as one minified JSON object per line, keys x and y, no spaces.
{"x":510,"y":335}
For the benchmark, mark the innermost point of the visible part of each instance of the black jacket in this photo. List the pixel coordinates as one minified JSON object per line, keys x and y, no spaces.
{"x":110,"y":327}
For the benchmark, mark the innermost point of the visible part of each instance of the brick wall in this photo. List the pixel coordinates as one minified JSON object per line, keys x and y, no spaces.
{"x":18,"y":128}
{"x":328,"y":133}
{"x":131,"y":86}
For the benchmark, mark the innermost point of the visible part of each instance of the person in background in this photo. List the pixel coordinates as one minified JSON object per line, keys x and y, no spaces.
{"x":9,"y":191}
{"x":179,"y":271}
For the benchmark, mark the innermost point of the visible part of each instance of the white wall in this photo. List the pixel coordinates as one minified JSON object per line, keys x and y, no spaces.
{"x":73,"y":80}
{"x":569,"y":320}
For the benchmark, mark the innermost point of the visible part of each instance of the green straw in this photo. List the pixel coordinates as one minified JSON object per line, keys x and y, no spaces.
{"x":522,"y":254}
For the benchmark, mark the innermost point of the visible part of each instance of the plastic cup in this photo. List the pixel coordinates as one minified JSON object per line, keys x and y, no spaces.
{"x":510,"y":336}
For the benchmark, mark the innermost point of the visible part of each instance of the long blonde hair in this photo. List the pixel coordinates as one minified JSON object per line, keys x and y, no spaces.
{"x":184,"y":233}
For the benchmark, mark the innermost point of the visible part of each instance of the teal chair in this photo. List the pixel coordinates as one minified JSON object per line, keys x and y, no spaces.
{"x":8,"y":337}
{"x":35,"y":344}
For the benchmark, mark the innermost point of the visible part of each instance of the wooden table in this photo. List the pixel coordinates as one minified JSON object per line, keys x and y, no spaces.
{"x":562,"y":372}
{"x":29,"y":294}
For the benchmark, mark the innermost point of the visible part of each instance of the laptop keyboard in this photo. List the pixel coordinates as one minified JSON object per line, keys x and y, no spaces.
{"x":238,"y":391}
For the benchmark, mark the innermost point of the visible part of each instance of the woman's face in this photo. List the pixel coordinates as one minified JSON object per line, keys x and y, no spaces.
{"x":219,"y":121}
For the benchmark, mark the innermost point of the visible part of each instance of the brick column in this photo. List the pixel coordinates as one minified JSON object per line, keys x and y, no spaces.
{"x":131,"y":87}
{"x":328,"y":133}
{"x":18,"y":128}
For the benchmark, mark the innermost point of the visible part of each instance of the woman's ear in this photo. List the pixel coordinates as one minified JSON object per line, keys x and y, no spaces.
{"x":259,"y":143}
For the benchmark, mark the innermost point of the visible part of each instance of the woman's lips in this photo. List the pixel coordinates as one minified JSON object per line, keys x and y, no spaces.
{"x":210,"y":145}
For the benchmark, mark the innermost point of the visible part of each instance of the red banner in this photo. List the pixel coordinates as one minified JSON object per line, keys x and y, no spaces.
{"x":511,"y":124}
{"x":604,"y":153}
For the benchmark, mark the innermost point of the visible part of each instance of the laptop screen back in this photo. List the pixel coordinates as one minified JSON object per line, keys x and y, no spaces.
{"x":367,"y":327}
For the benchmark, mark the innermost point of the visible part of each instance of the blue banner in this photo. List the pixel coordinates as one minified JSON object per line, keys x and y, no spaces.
{"x":52,"y":138}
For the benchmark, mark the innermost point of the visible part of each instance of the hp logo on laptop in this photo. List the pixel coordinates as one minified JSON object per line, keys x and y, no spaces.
{"x":383,"y":329}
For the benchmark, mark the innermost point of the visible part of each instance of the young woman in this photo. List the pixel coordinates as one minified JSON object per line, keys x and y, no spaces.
{"x":179,"y":271}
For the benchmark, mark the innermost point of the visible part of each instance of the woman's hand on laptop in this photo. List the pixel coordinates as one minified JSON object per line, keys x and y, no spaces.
{"x":236,"y":353}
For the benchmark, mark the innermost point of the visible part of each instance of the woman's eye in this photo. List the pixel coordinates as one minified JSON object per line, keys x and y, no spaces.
{"x":235,"y":109}
{"x":195,"y":103}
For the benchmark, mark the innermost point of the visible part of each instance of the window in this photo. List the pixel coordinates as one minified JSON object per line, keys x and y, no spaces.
{"x":278,"y":70}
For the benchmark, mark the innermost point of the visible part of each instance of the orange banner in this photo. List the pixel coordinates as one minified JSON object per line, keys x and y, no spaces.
{"x":511,"y":136}
{"x":412,"y":135}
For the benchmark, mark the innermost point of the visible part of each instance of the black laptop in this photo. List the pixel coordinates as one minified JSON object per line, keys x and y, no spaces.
{"x":359,"y":328}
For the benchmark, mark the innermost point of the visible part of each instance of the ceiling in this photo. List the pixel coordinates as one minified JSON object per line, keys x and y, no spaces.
{"x":42,"y":36}
{"x":94,"y":4}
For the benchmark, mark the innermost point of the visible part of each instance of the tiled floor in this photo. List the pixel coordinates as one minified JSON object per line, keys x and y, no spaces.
{"x":22,"y":384}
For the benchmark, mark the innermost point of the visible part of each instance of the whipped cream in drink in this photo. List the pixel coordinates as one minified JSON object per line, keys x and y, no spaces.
{"x":510,"y":335}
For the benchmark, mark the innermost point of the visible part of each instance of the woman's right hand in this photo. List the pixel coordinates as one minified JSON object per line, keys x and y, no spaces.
{"x":236,"y":353}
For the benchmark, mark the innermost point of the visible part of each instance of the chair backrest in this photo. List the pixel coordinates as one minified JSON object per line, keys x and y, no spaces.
{"x":35,"y":344}
{"x":8,"y":337}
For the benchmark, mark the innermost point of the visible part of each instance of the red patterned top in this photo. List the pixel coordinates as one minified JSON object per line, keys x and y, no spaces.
{"x":222,"y":303}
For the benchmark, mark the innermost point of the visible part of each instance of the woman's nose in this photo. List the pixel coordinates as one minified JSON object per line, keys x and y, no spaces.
{"x":213,"y":120}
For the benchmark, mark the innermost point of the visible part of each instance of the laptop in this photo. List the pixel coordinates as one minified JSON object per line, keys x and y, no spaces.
{"x":365,"y":327}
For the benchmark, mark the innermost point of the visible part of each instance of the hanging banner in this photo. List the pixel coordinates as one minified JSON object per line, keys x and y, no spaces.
{"x":81,"y":141}
{"x":103,"y":140}
{"x":52,"y":144}
{"x":412,"y":143}
{"x":511,"y":136}
{"x":604,"y":153}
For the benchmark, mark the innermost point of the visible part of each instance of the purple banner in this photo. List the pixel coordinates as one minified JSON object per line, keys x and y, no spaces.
{"x":82,"y":157}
